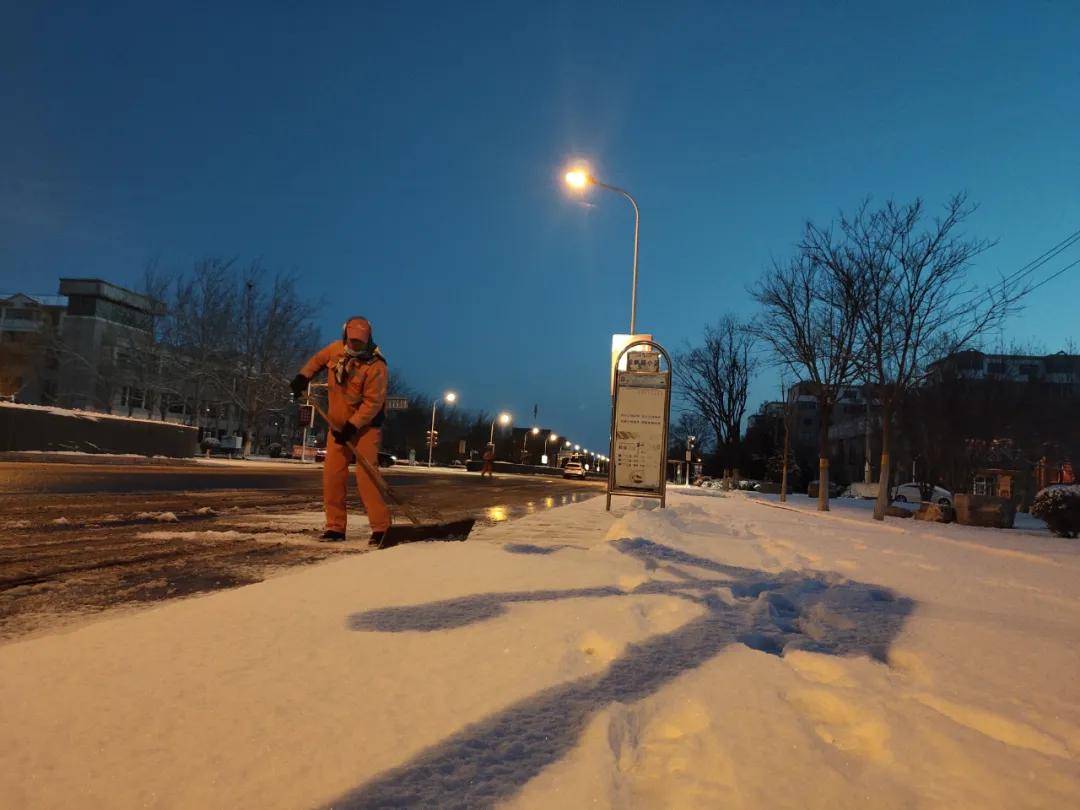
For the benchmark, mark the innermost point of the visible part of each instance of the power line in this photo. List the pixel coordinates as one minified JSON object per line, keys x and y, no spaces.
{"x":1053,"y":276}
{"x":1039,"y":261}
{"x":1029,"y":268}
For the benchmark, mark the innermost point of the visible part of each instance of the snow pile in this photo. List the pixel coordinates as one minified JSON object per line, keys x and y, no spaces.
{"x":160,"y":517}
{"x":90,"y":416}
{"x":720,"y":653}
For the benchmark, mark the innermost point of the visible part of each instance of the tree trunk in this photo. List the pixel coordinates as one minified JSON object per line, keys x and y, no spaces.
{"x":823,"y":459}
{"x":885,"y":474}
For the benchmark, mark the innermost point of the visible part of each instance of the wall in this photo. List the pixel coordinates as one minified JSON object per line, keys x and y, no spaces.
{"x":26,"y":427}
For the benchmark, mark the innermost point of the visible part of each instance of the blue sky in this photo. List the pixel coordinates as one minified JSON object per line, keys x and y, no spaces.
{"x":406,"y":158}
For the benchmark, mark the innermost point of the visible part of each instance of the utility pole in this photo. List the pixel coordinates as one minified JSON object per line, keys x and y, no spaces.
{"x":867,"y":471}
{"x":787,"y":443}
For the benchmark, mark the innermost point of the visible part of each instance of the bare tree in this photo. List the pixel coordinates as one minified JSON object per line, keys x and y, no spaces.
{"x":274,"y":335}
{"x":714,"y":378}
{"x":200,"y":330}
{"x":810,"y":324}
{"x":691,"y":428}
{"x":918,"y":304}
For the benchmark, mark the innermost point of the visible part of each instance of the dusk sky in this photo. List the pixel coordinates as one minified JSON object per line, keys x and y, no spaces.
{"x":407,"y":160}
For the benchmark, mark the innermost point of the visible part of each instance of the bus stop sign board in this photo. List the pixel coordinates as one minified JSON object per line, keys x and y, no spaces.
{"x":640,"y":408}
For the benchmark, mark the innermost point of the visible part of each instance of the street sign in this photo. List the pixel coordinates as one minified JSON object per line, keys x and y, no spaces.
{"x":618,"y":347}
{"x":397,"y":404}
{"x":640,"y":410}
{"x":642,"y":361}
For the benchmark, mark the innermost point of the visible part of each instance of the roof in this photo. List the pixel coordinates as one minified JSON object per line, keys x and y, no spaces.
{"x":25,"y":299}
{"x":97,"y":288}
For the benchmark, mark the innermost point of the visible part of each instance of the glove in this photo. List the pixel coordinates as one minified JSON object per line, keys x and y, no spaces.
{"x":346,"y":434}
{"x":299,"y":386}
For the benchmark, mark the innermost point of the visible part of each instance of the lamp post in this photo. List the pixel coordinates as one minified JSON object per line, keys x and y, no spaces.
{"x":550,"y":438}
{"x":578,"y":179}
{"x":525,"y":443}
{"x":450,"y":397}
{"x":502,"y":419}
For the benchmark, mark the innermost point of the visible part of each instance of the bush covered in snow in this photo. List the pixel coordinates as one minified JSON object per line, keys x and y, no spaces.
{"x":1060,"y":508}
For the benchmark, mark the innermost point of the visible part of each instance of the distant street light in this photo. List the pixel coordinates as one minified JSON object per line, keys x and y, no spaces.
{"x":502,"y":419}
{"x":525,"y":443}
{"x":552,"y":437}
{"x":578,"y":179}
{"x":450,"y":397}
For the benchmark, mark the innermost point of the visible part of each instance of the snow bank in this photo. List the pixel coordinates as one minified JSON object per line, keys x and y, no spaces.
{"x":722,"y":652}
{"x":90,"y":416}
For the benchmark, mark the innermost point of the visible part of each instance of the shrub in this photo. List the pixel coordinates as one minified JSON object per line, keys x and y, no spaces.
{"x":1060,"y":508}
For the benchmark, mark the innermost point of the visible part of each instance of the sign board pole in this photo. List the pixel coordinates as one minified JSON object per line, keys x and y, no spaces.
{"x":303,"y":439}
{"x":640,"y":413}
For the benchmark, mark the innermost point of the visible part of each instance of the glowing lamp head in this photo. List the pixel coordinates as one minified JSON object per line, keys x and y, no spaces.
{"x":535,"y":431}
{"x":577,"y":179}
{"x":451,"y":396}
{"x":504,"y":419}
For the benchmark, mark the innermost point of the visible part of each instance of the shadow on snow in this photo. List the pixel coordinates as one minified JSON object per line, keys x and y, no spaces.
{"x":489,"y":761}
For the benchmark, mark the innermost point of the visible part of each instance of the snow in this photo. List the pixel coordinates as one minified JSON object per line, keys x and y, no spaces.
{"x":724,"y":652}
{"x":160,"y":517}
{"x":91,"y":416}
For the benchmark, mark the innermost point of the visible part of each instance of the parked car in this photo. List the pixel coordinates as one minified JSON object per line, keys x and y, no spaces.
{"x":573,"y":470}
{"x":910,"y":493}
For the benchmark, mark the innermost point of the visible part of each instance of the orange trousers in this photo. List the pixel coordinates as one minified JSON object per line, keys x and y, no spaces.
{"x":336,"y":481}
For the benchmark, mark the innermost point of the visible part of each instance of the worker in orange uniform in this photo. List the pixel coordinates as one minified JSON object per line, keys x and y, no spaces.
{"x":357,"y":379}
{"x":489,"y":462}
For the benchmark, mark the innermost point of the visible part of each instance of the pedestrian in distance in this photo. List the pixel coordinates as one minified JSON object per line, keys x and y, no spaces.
{"x":489,"y":462}
{"x":357,"y":380}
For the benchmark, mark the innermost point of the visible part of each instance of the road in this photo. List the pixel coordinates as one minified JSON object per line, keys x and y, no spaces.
{"x":77,"y":540}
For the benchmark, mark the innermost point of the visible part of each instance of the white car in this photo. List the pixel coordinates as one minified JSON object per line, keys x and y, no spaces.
{"x":573,"y":470}
{"x":910,"y":493}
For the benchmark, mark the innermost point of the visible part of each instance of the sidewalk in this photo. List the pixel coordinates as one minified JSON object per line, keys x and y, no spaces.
{"x":716,"y":653}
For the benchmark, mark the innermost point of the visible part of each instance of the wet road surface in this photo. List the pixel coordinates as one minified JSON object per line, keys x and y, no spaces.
{"x":80,"y":539}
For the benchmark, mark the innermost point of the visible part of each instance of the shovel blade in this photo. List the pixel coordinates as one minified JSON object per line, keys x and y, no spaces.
{"x":456,"y":530}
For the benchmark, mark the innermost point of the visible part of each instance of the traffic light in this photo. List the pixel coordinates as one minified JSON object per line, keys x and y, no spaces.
{"x":432,"y":438}
{"x":306,"y":416}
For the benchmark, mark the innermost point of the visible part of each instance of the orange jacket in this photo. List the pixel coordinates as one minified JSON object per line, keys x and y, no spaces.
{"x":361,"y":398}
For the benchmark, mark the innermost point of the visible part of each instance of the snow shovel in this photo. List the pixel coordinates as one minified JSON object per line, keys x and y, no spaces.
{"x":441,"y":530}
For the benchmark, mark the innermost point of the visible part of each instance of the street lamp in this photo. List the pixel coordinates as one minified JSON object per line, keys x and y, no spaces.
{"x":502,"y":419}
{"x":450,"y":397}
{"x":578,"y":179}
{"x":525,"y":443}
{"x":552,"y":437}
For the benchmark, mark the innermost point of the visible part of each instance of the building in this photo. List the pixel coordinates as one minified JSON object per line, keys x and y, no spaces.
{"x":93,"y":348}
{"x":29,"y":325}
{"x":855,"y":435}
{"x":104,"y":331}
{"x":1055,"y":375}
{"x":854,"y":431}
{"x":1003,"y":424}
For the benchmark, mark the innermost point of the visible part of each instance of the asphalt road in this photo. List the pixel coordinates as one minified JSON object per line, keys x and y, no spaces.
{"x":80,"y":539}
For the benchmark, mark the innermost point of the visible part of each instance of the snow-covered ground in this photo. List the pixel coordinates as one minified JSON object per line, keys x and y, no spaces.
{"x":724,"y":652}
